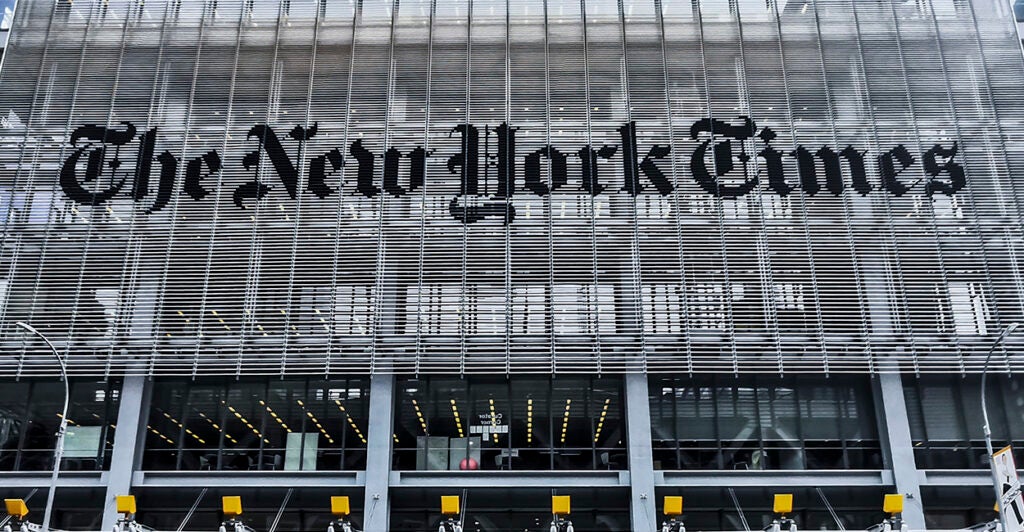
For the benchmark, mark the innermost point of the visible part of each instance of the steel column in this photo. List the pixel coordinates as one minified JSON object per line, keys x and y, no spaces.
{"x":898,"y":446}
{"x":127,"y":452}
{"x":376,"y":509}
{"x":642,"y":508}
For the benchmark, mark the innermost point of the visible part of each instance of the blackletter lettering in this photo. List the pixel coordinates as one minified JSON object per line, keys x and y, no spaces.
{"x":723,"y":156}
{"x":193,"y":174}
{"x":94,"y":168}
{"x":318,"y":172}
{"x":957,"y":180}
{"x":858,"y":177}
{"x":466,"y":163}
{"x":364,"y":173}
{"x":589,"y":156}
{"x":773,"y":164}
{"x":632,"y":170}
{"x":506,"y":161}
{"x":278,"y":158}
{"x":887,"y":164}
{"x":417,"y":169}
{"x":559,"y":170}
{"x":809,"y":172}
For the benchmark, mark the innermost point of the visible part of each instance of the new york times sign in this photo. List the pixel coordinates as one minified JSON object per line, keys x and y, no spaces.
{"x":719,"y":165}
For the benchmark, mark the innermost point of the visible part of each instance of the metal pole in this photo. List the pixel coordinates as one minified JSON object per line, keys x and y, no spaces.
{"x":58,"y":452}
{"x":988,"y":432}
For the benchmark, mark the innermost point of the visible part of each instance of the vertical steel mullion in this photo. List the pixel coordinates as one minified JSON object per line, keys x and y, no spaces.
{"x":378,"y":297}
{"x":512,"y":180}
{"x":356,"y":11}
{"x":764,"y":261}
{"x":256,"y":245}
{"x":44,"y":246}
{"x":683,"y":299}
{"x":593,"y":213}
{"x":423,"y":194}
{"x":298,"y":195}
{"x":201,"y":320}
{"x":133,"y":256}
{"x":874,"y":129}
{"x":549,"y":200}
{"x":995,"y":115}
{"x":849,"y":232}
{"x":29,"y":122}
{"x":92,"y":222}
{"x":967,"y":173}
{"x":726,"y":284}
{"x":465,"y":163}
{"x":931,"y":206}
{"x":635,"y":260}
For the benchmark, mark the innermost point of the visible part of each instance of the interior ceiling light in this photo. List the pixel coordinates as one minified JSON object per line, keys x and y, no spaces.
{"x":600,"y":421}
{"x":565,"y":418}
{"x":351,"y":421}
{"x":316,"y":422}
{"x":458,"y":421}
{"x":529,"y":421}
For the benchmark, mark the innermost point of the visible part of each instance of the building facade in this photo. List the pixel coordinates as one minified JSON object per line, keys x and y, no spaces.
{"x":507,"y":249}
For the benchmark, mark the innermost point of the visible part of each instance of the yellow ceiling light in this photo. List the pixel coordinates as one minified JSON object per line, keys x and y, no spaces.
{"x":217,"y":427}
{"x":600,"y":421}
{"x":275,"y":416}
{"x":318,"y":425}
{"x":458,"y":420}
{"x":565,"y":418}
{"x":529,"y":421}
{"x":351,"y":421}
{"x":419,"y":414}
{"x":494,"y":420}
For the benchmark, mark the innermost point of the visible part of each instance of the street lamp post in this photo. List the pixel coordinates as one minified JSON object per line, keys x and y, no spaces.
{"x":58,"y":452}
{"x":988,"y":431}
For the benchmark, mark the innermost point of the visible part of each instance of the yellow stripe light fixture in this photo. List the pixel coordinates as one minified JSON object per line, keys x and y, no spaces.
{"x":315,"y":422}
{"x":217,"y":427}
{"x":245,"y":422}
{"x":565,"y":418}
{"x":352,"y":422}
{"x":162,"y":437}
{"x":494,"y":420}
{"x":529,"y":421}
{"x":276,"y":418}
{"x":419,"y":415}
{"x":458,"y":421}
{"x":180,"y":426}
{"x":600,"y":421}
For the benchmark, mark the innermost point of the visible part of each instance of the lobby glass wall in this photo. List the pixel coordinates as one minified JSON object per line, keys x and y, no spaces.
{"x":258,"y":424}
{"x":30,"y":415}
{"x":508,"y":509}
{"x":946,"y":423}
{"x":307,"y":509}
{"x":957,"y":507}
{"x":524,"y":423}
{"x":855,"y":508}
{"x":764,"y":422}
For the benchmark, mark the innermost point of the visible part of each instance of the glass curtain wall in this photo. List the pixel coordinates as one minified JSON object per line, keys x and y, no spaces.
{"x":522,"y":423}
{"x":763,"y":422}
{"x":946,"y":422}
{"x":258,"y":424}
{"x":30,"y":413}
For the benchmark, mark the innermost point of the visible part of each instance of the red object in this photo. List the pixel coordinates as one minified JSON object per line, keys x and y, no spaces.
{"x":468,"y":463}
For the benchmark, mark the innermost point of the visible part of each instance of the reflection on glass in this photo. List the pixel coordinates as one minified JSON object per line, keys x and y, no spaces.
{"x":523,"y":423}
{"x":755,"y":422}
{"x":258,"y":424}
{"x":30,"y":413}
{"x":945,"y":419}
